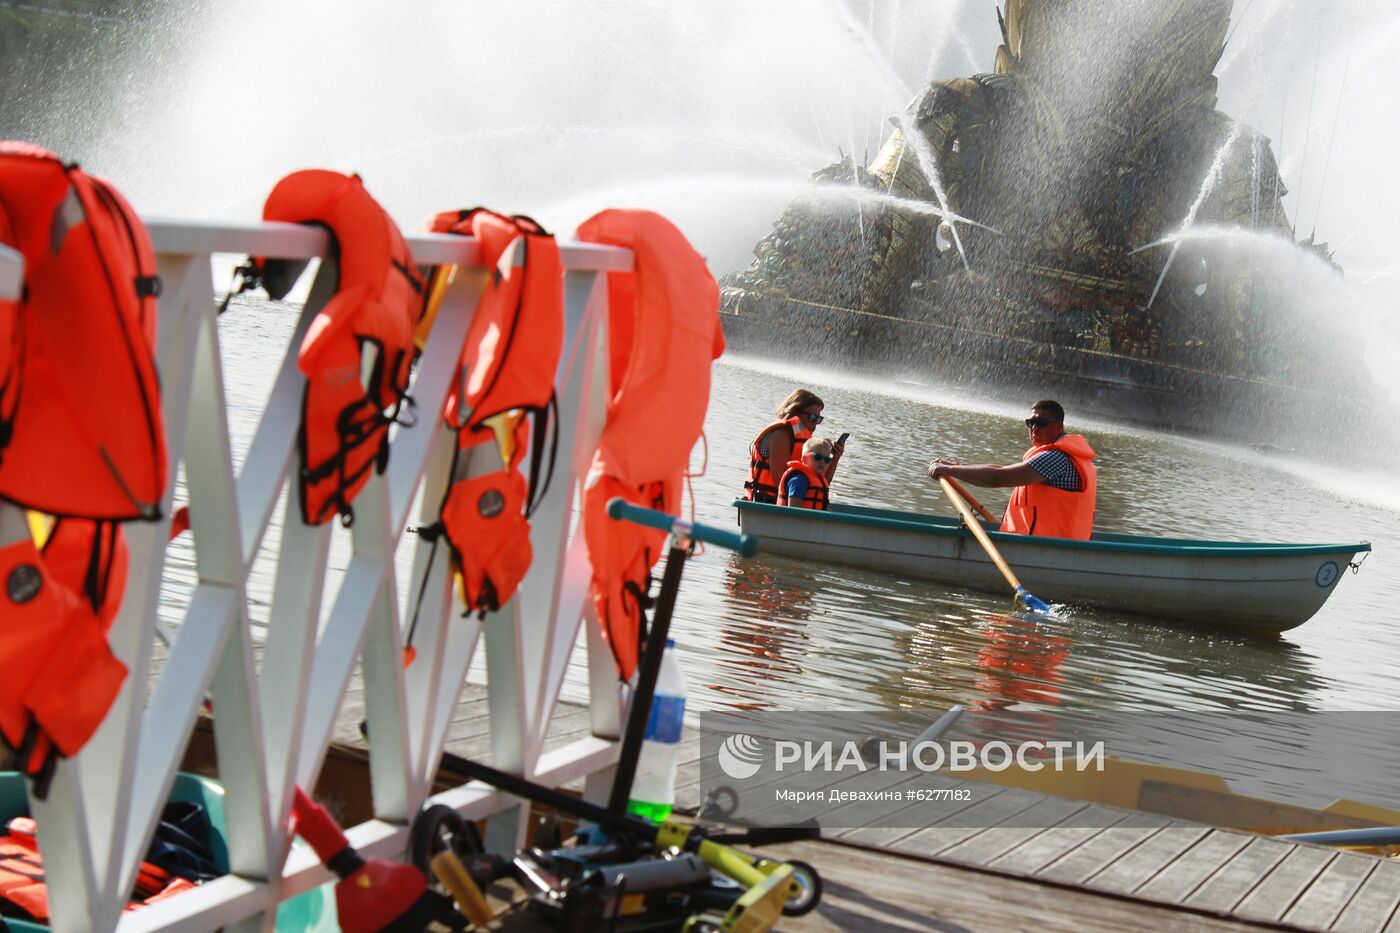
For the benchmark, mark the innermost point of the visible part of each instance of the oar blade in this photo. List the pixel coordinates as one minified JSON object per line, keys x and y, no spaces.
{"x":1031,"y":603}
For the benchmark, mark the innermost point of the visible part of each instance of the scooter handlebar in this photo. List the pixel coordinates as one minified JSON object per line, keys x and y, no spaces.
{"x":621,"y":510}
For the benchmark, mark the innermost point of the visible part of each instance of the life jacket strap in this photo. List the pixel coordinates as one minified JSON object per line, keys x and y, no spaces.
{"x":488,"y":600}
{"x":37,"y":756}
{"x":546,"y":422}
{"x":359,"y":423}
{"x":414,"y":282}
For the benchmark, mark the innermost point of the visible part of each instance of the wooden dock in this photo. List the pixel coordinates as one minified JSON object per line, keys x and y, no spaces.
{"x":1034,"y":862}
{"x":1082,"y":866}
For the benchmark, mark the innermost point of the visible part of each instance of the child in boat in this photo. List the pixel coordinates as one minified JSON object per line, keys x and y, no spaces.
{"x":807,"y":481}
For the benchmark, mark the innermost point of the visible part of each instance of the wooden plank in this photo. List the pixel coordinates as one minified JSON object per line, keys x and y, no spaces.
{"x":859,"y":812}
{"x":568,"y":723}
{"x":1324,"y":899}
{"x":950,"y":832}
{"x":1272,"y":896}
{"x":1176,"y":881}
{"x":880,"y":892}
{"x":884,"y":835}
{"x":1237,"y":877}
{"x":1086,"y":860}
{"x":995,"y":841}
{"x":1374,"y":905}
{"x":1045,"y":847}
{"x":1232,"y":811}
{"x":1136,"y":868}
{"x":690,"y":795}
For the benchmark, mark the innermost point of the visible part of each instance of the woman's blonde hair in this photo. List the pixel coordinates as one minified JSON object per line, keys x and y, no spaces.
{"x":798,"y":400}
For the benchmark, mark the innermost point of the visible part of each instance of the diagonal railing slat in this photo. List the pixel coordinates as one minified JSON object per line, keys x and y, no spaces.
{"x":270,"y":457}
{"x":106,"y":797}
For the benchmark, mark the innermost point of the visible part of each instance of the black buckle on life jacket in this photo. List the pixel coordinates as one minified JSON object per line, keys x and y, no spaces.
{"x":488,"y":601}
{"x":148,"y":286}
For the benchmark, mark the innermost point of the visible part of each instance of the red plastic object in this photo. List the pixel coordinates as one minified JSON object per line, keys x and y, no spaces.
{"x":374,"y":895}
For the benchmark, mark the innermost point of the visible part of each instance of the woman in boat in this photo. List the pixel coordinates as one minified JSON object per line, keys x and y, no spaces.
{"x":775,"y":446}
{"x":1056,"y":481}
{"x":807,"y":480}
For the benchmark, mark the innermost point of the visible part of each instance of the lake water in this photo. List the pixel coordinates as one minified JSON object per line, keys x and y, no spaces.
{"x":777,"y":633}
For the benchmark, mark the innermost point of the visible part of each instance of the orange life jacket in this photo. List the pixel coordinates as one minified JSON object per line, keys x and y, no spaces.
{"x":664,"y":333}
{"x":60,"y":674}
{"x":367,"y":325}
{"x":1041,"y":509}
{"x":509,"y":361}
{"x":760,"y":486}
{"x":81,"y":428}
{"x":81,"y":437}
{"x":11,"y":348}
{"x":818,"y":489}
{"x":22,"y":877}
{"x":23,"y":889}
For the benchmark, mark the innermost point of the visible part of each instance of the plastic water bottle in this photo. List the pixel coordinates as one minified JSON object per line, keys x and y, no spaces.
{"x":654,"y":788}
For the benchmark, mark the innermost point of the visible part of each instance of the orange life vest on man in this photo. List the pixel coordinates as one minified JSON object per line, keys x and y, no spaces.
{"x":760,"y":486}
{"x":345,"y":417}
{"x":509,"y":361}
{"x":664,"y":332}
{"x":818,"y":489}
{"x":1041,"y":509}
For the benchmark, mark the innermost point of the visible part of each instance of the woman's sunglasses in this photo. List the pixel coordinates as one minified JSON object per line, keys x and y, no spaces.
{"x":815,"y":419}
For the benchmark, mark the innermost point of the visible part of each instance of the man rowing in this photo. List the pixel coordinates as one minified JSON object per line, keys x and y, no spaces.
{"x":1056,"y":483}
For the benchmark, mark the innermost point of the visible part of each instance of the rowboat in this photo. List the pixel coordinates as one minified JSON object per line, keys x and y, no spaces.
{"x":1246,"y":586}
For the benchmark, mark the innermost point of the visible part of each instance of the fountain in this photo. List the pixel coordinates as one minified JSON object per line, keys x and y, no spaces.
{"x":1035,"y":229}
{"x":1058,"y":254}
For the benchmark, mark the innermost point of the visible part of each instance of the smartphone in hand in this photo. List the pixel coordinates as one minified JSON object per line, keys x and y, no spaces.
{"x":842,"y":438}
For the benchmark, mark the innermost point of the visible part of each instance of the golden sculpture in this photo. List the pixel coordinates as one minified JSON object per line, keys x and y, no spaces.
{"x":1095,"y":138}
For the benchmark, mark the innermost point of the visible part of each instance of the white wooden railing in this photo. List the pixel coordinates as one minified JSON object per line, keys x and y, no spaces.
{"x":272,"y":725}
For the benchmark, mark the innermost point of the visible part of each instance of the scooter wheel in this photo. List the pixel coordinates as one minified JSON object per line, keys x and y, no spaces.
{"x":437,"y":828}
{"x":809,"y":889}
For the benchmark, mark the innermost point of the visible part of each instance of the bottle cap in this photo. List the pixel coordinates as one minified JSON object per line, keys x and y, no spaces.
{"x":670,"y":643}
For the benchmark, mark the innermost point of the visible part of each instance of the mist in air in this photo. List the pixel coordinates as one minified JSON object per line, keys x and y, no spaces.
{"x":715,"y":114}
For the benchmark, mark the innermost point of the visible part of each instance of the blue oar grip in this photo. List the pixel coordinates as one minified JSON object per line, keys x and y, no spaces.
{"x":622,"y":510}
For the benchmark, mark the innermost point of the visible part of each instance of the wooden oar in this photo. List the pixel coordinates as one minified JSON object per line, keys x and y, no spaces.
{"x":972,"y":501}
{"x":1023,"y":597}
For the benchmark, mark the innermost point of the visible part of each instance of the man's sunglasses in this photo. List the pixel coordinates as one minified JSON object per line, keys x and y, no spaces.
{"x":1038,"y":422}
{"x":821,"y":458}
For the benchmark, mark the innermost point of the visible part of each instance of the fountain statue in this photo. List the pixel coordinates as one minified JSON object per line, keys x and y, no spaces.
{"x":1029,"y":230}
